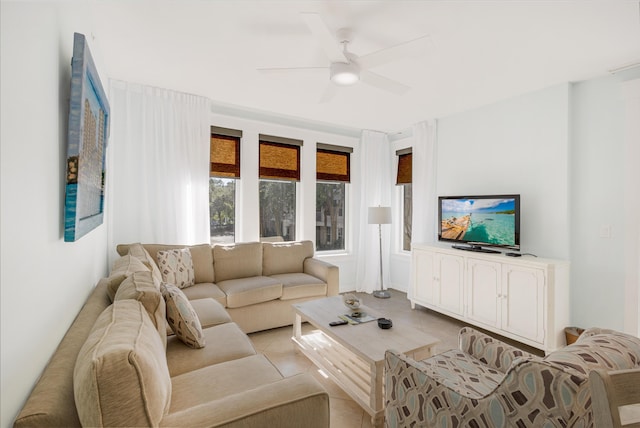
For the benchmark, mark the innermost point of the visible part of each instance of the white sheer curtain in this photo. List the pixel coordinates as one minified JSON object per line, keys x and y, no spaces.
{"x":425,"y":211}
{"x":376,"y":182}
{"x":158,"y":180}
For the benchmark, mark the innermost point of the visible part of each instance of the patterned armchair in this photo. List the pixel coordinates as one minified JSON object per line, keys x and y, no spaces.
{"x":487,"y":383}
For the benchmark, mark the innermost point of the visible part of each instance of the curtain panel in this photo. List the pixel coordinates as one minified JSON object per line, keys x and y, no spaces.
{"x":159,"y":173}
{"x":425,"y":211}
{"x":376,"y":183}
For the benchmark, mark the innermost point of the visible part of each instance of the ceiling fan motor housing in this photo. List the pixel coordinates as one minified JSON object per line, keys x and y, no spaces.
{"x":345,"y":74}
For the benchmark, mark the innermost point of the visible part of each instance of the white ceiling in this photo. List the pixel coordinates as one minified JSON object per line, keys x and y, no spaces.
{"x":481,"y":52}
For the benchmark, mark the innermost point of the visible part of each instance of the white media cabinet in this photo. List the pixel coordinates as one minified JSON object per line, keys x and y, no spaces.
{"x":522,"y":298}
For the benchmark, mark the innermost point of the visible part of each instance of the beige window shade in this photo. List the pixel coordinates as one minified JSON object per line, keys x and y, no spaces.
{"x":404,"y":168}
{"x":279,"y":161}
{"x":332,"y":165}
{"x":224,"y":156}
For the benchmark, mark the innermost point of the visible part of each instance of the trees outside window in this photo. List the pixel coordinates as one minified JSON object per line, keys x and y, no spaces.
{"x":222,"y":209}
{"x":407,"y":213}
{"x":278,"y":209}
{"x":330,"y":221}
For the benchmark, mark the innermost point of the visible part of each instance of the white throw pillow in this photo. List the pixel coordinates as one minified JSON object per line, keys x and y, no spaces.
{"x":176,"y":267}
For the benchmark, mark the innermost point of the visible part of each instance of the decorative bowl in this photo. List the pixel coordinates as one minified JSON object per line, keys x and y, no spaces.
{"x":351,"y":301}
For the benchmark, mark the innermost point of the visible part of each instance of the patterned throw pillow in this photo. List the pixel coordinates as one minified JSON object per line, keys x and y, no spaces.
{"x":182,"y":317}
{"x":176,"y":267}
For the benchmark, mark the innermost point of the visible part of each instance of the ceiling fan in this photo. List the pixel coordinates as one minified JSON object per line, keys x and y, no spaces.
{"x":346,"y":68}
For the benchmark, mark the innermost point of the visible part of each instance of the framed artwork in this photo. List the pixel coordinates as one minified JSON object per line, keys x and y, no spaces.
{"x":86,"y":144}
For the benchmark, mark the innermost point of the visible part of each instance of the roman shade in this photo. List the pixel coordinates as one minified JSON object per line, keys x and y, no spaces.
{"x":333,"y":163}
{"x":225,"y":152}
{"x":404,"y":166}
{"x":279,"y":158}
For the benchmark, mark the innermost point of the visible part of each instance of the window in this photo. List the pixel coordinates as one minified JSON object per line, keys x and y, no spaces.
{"x":404,"y":179}
{"x":279,"y":173}
{"x":333,"y":172}
{"x":224,"y":169}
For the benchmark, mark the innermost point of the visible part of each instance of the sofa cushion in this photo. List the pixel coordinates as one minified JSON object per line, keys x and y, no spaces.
{"x":205,"y":290}
{"x":121,"y":376}
{"x":176,"y":267}
{"x":182,"y":317}
{"x":122,"y":268}
{"x":220,"y":380}
{"x":249,"y":291}
{"x":241,"y":260}
{"x":201,"y":255}
{"x":300,"y":285}
{"x":285,"y":257}
{"x":225,"y":342}
{"x":141,"y":287}
{"x":210,"y":312}
{"x":139,"y":252}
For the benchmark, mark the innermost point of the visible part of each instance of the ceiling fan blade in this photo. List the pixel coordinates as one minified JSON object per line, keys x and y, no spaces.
{"x":328,"y":93}
{"x":383,"y":83}
{"x":386,"y":55}
{"x":283,"y":70}
{"x":327,"y":41}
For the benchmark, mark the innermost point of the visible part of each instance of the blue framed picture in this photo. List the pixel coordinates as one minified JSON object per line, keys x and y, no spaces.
{"x":86,"y":145}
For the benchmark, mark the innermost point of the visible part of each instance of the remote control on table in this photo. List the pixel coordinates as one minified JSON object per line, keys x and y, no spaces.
{"x":335,"y":323}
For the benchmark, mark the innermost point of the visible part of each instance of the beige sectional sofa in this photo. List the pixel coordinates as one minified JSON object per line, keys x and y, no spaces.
{"x":257,"y":282}
{"x":116,"y":365}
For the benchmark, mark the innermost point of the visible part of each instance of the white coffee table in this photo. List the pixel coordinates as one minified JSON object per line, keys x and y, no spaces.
{"x":353,"y":355}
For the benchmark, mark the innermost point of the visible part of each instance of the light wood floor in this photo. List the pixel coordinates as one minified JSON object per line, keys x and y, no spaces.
{"x":276,"y":344}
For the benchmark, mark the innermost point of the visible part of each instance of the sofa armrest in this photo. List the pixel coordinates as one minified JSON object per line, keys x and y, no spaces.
{"x":297,"y":401}
{"x":325,"y":271}
{"x":490,"y":351}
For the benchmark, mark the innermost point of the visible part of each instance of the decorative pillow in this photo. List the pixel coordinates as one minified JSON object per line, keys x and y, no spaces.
{"x":182,"y":317}
{"x":122,"y":268}
{"x":176,"y":267}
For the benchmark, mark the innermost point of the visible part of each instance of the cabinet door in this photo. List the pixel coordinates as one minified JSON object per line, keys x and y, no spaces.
{"x":450,"y":276}
{"x":423,"y":276}
{"x":523,"y":301}
{"x":483,"y":290}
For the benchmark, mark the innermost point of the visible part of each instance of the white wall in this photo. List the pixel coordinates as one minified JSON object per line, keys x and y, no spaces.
{"x":516,"y":146}
{"x":44,"y":281}
{"x":247,"y":209}
{"x":570,"y":152}
{"x":604,"y":205}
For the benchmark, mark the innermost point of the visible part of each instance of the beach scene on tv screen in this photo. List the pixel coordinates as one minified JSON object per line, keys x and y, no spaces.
{"x":479,"y":220}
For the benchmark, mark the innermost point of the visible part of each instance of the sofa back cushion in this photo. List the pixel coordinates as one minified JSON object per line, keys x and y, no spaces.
{"x":138,"y":251}
{"x":598,"y":348}
{"x":201,"y":256}
{"x":241,"y":260}
{"x":285,"y":257}
{"x":121,"y":269}
{"x":121,"y":376}
{"x":141,"y":287}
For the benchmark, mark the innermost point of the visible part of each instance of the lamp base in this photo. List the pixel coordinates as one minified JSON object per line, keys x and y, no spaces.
{"x":381,"y":294}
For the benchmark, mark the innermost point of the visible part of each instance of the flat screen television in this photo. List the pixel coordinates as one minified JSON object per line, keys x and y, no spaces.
{"x":475,"y":222}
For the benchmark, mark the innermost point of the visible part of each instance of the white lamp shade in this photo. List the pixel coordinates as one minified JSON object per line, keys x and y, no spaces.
{"x":379,"y":215}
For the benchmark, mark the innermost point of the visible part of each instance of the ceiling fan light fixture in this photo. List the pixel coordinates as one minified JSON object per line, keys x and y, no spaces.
{"x":345,"y":74}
